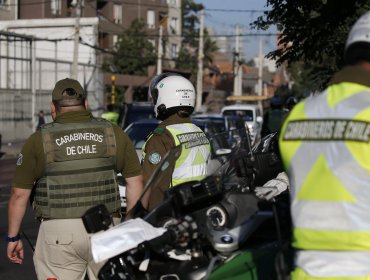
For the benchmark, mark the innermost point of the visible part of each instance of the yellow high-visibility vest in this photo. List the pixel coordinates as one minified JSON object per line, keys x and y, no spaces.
{"x":325,"y":148}
{"x":192,"y":162}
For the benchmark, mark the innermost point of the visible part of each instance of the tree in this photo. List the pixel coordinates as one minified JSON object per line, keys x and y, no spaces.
{"x":188,"y":55}
{"x":134,"y":53}
{"x":313,"y":32}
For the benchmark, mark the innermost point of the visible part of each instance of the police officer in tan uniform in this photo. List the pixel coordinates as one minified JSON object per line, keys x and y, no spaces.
{"x":71,"y":164}
{"x":174,"y":100}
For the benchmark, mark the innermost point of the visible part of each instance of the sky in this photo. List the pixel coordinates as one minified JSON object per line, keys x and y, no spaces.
{"x":242,"y":13}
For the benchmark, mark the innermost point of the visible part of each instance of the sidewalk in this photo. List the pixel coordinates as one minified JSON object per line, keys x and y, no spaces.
{"x":11,"y":149}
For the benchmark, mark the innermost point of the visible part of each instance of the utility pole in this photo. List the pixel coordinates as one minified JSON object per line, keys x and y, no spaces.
{"x":113,"y":91}
{"x":260,"y":67}
{"x":33,"y":83}
{"x":74,"y":71}
{"x":160,"y":50}
{"x":237,"y":67}
{"x":198,"y":107}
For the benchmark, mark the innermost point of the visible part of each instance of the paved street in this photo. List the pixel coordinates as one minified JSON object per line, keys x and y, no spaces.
{"x":9,"y":271}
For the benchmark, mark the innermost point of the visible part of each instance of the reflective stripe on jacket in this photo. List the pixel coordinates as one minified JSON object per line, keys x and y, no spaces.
{"x":192,"y":163}
{"x":325,"y":149}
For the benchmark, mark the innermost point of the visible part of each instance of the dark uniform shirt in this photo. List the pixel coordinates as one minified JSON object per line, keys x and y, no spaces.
{"x":31,"y":161}
{"x":352,"y":74}
{"x":159,"y":144}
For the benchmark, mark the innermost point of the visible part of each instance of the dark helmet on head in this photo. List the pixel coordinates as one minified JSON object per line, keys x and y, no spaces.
{"x":276,"y":101}
{"x":291,"y":102}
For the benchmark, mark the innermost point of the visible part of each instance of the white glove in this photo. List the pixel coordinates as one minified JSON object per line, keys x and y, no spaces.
{"x":273,"y":187}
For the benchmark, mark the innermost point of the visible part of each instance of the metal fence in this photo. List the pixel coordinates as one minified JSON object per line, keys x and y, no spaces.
{"x":26,"y":82}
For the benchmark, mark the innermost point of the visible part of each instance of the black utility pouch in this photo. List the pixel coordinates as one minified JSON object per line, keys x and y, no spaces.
{"x":97,"y":218}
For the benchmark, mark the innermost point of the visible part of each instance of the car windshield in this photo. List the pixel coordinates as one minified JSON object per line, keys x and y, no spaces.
{"x":246,"y":115}
{"x":136,"y":112}
{"x":209,"y":124}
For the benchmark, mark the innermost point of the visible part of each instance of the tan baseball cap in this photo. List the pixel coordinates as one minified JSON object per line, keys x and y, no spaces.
{"x":64,"y":84}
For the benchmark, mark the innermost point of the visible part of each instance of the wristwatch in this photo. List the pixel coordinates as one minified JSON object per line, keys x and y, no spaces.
{"x":13,"y":239}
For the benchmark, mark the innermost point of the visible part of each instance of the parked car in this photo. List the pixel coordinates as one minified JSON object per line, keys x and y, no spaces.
{"x":233,"y":127}
{"x":252,"y":116}
{"x":139,"y":130}
{"x":136,"y":111}
{"x":211,"y":124}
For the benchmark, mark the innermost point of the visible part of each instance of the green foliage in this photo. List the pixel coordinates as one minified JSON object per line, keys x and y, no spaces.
{"x":250,"y":63}
{"x":134,"y":52}
{"x":190,"y":22}
{"x":188,"y":55}
{"x":313,"y":32}
{"x":187,"y":61}
{"x":210,"y":47}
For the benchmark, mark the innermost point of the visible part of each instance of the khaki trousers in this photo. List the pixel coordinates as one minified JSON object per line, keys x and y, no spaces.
{"x":63,"y":251}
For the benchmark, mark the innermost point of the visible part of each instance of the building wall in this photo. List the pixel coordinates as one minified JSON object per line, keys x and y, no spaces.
{"x":31,"y":9}
{"x":9,"y":11}
{"x":52,"y":60}
{"x":108,"y":28}
{"x":174,"y":12}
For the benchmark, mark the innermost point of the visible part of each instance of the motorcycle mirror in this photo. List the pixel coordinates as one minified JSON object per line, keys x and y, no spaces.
{"x":219,"y":144}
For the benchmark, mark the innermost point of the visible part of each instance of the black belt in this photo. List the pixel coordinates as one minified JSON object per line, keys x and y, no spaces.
{"x":116,"y":214}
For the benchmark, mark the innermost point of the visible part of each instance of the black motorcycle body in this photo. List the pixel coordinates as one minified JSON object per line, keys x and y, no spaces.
{"x":215,"y":227}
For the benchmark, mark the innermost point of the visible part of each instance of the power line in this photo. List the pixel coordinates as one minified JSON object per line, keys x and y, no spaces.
{"x":49,"y":1}
{"x":236,"y":11}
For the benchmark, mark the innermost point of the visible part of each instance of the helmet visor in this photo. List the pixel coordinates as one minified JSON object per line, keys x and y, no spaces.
{"x":153,"y":91}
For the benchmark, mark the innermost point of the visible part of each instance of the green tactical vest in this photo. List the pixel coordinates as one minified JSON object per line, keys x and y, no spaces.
{"x":79,"y":169}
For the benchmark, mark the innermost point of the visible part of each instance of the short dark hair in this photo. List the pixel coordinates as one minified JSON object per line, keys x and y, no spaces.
{"x":357,"y":52}
{"x":69,"y":102}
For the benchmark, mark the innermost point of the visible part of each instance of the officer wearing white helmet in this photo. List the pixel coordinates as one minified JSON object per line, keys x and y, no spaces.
{"x":325,"y":149}
{"x":174,"y":100}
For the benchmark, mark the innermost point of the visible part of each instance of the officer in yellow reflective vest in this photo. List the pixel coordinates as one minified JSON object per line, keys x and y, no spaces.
{"x":325,"y":149}
{"x":111,"y":115}
{"x":174,"y":100}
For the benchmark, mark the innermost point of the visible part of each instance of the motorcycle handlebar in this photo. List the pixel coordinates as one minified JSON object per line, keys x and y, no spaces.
{"x":158,"y":244}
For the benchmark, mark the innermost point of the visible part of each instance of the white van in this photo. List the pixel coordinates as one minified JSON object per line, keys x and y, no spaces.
{"x":251,"y":114}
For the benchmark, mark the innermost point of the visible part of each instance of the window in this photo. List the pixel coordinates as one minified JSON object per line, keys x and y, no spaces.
{"x":117,"y":13}
{"x":173,"y":25}
{"x":115,"y":40}
{"x":173,"y":3}
{"x":56,"y":7}
{"x":150,"y":19}
{"x":174,"y":51}
{"x":4,"y":4}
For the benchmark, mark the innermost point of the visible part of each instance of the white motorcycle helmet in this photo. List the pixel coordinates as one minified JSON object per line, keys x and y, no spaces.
{"x":359,"y":39}
{"x":171,"y":93}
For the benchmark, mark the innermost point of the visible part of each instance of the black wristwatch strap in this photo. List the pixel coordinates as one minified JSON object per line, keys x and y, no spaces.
{"x":13,"y":239}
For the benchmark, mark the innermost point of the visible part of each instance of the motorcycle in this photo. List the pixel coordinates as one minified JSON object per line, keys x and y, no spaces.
{"x":210,"y":229}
